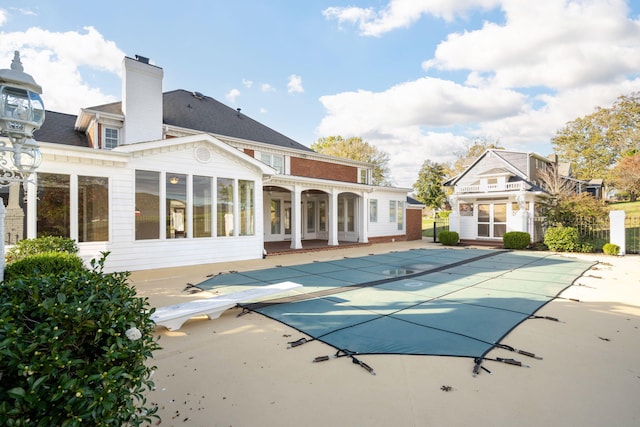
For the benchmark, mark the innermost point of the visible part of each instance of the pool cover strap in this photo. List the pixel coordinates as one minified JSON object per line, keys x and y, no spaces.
{"x":346,"y":353}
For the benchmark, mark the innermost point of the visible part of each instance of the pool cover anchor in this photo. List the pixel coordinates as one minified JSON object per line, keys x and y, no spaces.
{"x":346,"y":353}
{"x":478,"y":364}
{"x":515,"y":350}
{"x":296,"y":343}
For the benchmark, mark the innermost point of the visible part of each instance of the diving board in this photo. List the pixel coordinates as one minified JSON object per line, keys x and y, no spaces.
{"x":173,"y":316}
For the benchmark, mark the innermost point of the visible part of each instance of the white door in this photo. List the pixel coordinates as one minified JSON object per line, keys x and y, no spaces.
{"x":492,"y":220}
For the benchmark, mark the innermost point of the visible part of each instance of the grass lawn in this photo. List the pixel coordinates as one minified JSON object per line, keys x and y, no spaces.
{"x":631,"y":208}
{"x":427,"y":227}
{"x":632,"y":211}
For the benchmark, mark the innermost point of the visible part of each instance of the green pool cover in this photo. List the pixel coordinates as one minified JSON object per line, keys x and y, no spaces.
{"x":423,"y":302}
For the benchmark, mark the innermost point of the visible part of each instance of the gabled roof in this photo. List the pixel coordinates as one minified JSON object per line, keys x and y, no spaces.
{"x":60,"y":128}
{"x":508,"y":167}
{"x":495,"y":172}
{"x":414,"y":202}
{"x":192,"y":110}
{"x":181,"y":109}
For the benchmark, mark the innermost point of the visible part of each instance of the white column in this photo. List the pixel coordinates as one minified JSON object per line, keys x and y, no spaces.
{"x":333,"y":218}
{"x":617,"y":232}
{"x":521,"y":222}
{"x":296,"y":218}
{"x":454,"y":216}
{"x":31,"y":188}
{"x":14,"y":218}
{"x":364,"y":218}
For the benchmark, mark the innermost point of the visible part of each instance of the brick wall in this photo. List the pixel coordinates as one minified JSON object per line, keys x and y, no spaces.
{"x":323,"y":170}
{"x":414,"y":224}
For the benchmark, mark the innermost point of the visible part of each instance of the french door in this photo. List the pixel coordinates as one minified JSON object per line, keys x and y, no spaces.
{"x":492,"y":220}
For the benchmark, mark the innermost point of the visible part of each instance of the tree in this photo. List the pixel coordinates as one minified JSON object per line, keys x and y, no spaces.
{"x":429,"y":188}
{"x":592,"y":144}
{"x":558,"y":189}
{"x":355,"y":148}
{"x":472,"y":150}
{"x":625,"y":176}
{"x":554,"y":184}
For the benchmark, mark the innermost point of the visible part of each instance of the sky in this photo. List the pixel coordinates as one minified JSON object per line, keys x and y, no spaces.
{"x":418,"y":79}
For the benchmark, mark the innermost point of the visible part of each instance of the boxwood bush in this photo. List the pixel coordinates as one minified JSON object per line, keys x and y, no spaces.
{"x":44,"y":264}
{"x":562,"y":239}
{"x":73,"y":348}
{"x":449,"y":238}
{"x":611,"y":249}
{"x":28,"y":247}
{"x":516,"y":239}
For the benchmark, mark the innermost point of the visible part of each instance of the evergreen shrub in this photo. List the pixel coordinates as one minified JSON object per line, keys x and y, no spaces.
{"x":611,"y":249}
{"x":73,"y":348}
{"x":562,"y":239}
{"x":449,"y":238}
{"x":44,"y":264}
{"x":516,"y":239}
{"x":28,"y":247}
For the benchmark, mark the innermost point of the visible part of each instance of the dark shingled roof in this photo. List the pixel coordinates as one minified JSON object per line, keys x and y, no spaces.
{"x":191,"y":110}
{"x":412,"y":201}
{"x":60,"y":128}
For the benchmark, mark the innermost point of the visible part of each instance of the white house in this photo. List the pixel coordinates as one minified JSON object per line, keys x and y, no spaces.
{"x":497,"y":193}
{"x":178,"y":178}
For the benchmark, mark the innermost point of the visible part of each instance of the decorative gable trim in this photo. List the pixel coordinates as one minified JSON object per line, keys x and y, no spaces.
{"x":199,"y":144}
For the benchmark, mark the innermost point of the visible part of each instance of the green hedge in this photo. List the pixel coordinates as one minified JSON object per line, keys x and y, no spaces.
{"x":449,"y":238}
{"x":611,"y":249}
{"x":74,"y":350}
{"x":28,"y":247}
{"x":562,"y":239}
{"x":516,"y":239}
{"x":44,"y":264}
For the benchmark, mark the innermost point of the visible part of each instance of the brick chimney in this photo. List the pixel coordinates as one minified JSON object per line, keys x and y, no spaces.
{"x":141,"y":100}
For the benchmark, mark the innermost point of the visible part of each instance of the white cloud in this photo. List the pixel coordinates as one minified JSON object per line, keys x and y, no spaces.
{"x":527,"y":75}
{"x":409,"y":147}
{"x":3,"y":17}
{"x":295,"y":84}
{"x":263,"y":110}
{"x":54,"y":60}
{"x":412,"y":121}
{"x":266,"y":87}
{"x":424,"y":102}
{"x":247,"y":83}
{"x":402,"y":13}
{"x":232,"y":95}
{"x":546,"y":43}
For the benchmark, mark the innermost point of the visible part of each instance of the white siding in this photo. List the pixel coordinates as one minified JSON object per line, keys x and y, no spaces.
{"x":383,"y":227}
{"x":468,"y":227}
{"x":127,"y":254}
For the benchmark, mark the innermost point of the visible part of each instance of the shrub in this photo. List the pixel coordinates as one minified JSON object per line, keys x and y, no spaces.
{"x":28,"y":247}
{"x":562,"y":239}
{"x":44,"y":264}
{"x":516,"y":239}
{"x":449,"y":238}
{"x":569,"y":210}
{"x":611,"y":249}
{"x":74,"y":347}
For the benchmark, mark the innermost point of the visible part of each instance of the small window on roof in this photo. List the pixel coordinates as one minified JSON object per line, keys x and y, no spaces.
{"x":273,"y":160}
{"x":110,"y":138}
